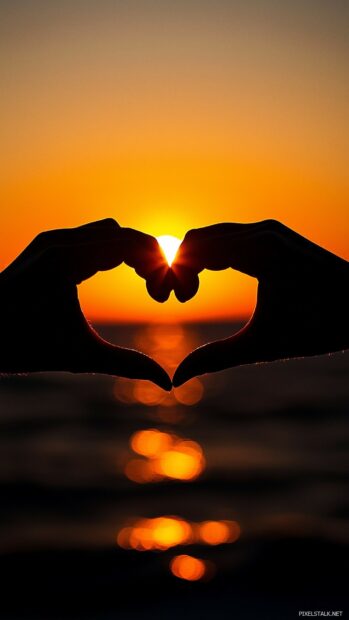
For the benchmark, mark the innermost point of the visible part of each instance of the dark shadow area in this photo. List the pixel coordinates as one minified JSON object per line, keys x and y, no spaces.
{"x":274,"y":439}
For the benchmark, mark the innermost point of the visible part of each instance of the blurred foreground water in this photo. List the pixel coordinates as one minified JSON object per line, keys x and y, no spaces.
{"x":227,"y":497}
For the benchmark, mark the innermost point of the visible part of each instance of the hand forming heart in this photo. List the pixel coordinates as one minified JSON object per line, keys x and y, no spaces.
{"x":302,"y":304}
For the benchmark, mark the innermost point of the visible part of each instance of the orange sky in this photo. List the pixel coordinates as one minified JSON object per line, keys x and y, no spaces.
{"x":172,"y":115}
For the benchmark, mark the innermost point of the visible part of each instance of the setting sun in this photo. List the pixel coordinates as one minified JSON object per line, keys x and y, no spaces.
{"x":169,"y":246}
{"x":166,"y":141}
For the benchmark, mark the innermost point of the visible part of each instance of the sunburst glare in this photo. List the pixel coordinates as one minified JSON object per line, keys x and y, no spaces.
{"x":169,"y":246}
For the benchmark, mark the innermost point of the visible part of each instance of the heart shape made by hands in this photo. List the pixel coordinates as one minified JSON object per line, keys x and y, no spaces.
{"x":302,"y":302}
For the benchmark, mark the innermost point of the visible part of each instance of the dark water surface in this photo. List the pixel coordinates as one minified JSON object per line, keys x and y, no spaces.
{"x":268,"y":454}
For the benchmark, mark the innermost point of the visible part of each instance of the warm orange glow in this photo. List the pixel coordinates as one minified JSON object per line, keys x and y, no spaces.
{"x":218,"y":532}
{"x":190,"y":393}
{"x":188,"y":567}
{"x":176,"y":464}
{"x":169,"y":532}
{"x":168,"y":141}
{"x":150,"y":442}
{"x":168,"y":345}
{"x":123,"y":537}
{"x":169,"y":246}
{"x":161,"y":533}
{"x":183,"y":462}
{"x":149,"y":394}
{"x":141,"y":538}
{"x":141,"y":471}
{"x":166,"y":456}
{"x":161,"y":338}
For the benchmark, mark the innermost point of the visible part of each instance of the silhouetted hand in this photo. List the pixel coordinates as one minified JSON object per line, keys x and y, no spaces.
{"x":302,"y":305}
{"x":42,"y":324}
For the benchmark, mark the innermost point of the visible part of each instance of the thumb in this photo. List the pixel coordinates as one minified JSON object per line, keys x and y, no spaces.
{"x":106,"y":358}
{"x":218,"y":355}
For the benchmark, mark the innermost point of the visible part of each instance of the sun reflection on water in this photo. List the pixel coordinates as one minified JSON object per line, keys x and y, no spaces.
{"x":151,"y":442}
{"x":150,"y":395}
{"x":162,"y":533}
{"x":165,"y":455}
{"x":189,"y":568}
{"x":159,"y":533}
{"x":168,"y":345}
{"x":161,"y":455}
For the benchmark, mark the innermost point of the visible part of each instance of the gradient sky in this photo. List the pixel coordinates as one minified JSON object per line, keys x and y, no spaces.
{"x":168,"y":115}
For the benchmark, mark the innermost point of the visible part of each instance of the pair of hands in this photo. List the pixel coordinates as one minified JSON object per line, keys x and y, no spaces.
{"x":302,"y":304}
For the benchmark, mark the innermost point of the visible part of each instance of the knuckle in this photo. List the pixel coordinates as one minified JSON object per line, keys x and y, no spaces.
{"x":42,"y":241}
{"x":274,"y":234}
{"x":109,"y":221}
{"x":272,"y":225}
{"x":41,"y":238}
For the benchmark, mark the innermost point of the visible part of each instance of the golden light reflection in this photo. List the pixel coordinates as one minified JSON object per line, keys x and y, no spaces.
{"x":169,"y":246}
{"x":163,"y":455}
{"x":151,"y":395}
{"x":161,"y":533}
{"x":160,"y":336}
{"x":166,"y":455}
{"x":168,"y":345}
{"x":150,"y":442}
{"x":219,"y":532}
{"x":187,"y":567}
{"x":185,"y":461}
{"x":169,"y":532}
{"x":190,"y":393}
{"x":141,"y":471}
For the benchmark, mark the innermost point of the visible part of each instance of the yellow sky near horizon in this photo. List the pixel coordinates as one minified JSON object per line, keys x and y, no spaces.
{"x":168,"y":116}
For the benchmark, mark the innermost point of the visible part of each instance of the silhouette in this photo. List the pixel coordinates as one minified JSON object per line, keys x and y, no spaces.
{"x":302,"y":304}
{"x":43,"y":324}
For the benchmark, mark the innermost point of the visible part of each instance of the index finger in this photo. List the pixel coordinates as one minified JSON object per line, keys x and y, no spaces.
{"x":143,"y":253}
{"x":244,"y":247}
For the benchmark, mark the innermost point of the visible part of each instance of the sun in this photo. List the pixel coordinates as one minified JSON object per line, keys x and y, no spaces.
{"x":169,"y":246}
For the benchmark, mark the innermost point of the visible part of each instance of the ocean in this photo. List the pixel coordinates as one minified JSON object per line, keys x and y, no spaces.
{"x":227,"y":498}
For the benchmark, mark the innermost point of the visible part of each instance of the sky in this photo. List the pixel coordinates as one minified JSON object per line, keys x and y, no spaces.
{"x":171,"y":115}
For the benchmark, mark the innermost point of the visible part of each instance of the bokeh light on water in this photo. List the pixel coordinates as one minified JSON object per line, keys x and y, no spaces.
{"x":187,"y":567}
{"x":106,"y":493}
{"x":168,"y":345}
{"x":159,"y":533}
{"x":159,"y":454}
{"x":150,"y":395}
{"x":151,"y":442}
{"x":219,"y":532}
{"x":166,"y":455}
{"x":164,"y":532}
